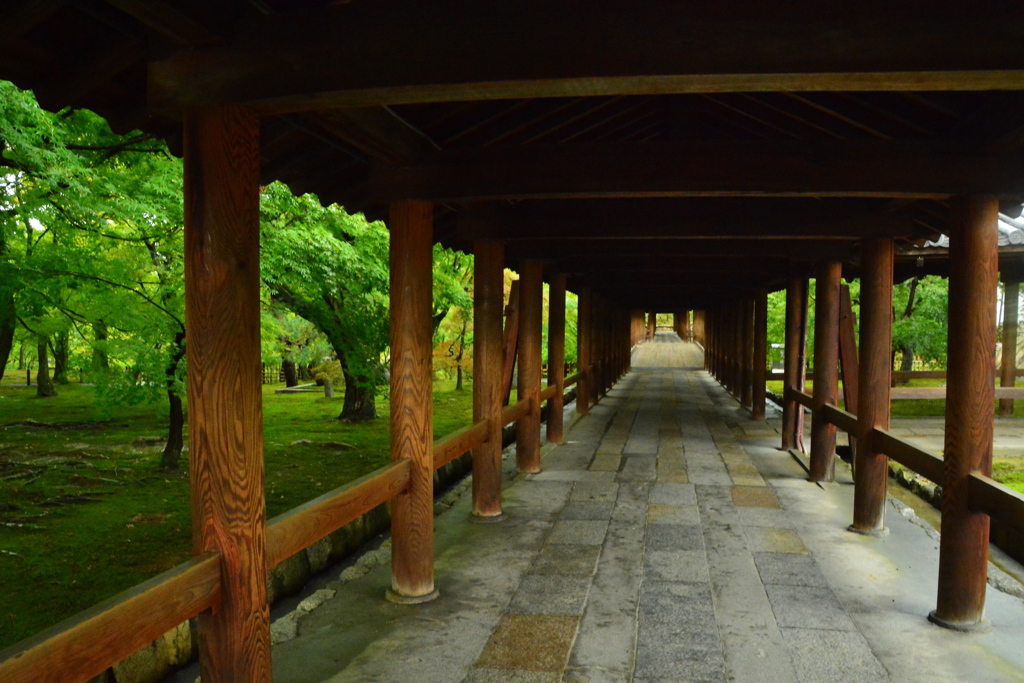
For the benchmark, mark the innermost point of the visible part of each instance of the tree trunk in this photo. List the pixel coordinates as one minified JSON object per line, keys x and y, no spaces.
{"x":291,"y":377}
{"x":44,"y":387}
{"x":907,"y":363}
{"x":458,"y":359}
{"x":8,"y":321}
{"x":360,"y":400}
{"x":176,"y":421}
{"x":21,"y":358}
{"x":100,"y":360}
{"x":61,"y":352}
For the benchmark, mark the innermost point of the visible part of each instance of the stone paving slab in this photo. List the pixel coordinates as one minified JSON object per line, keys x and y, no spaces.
{"x":668,"y":540}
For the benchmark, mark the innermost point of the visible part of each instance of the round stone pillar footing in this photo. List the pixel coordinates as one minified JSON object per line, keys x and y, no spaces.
{"x":490,"y":519}
{"x":983,"y":626}
{"x":399,"y":599}
{"x":875,"y":533}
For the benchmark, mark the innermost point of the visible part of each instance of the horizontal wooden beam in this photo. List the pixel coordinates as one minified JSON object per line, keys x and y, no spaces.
{"x":733,"y":169}
{"x":358,"y":54}
{"x":306,"y":524}
{"x":556,"y":251}
{"x":693,"y":218}
{"x":459,"y":442}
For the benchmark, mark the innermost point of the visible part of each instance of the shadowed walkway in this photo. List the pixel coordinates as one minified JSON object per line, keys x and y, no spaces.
{"x":666,"y":540}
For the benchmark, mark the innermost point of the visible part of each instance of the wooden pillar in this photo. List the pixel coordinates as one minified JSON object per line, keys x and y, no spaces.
{"x":222,"y":322}
{"x":760,"y":361}
{"x":970,"y":380}
{"x":531,"y":293}
{"x":826,"y":369}
{"x":412,"y":411}
{"x":685,"y":327}
{"x":488,"y":392}
{"x":556,"y":355}
{"x":652,"y":325}
{"x":796,"y":304}
{"x":583,"y":333}
{"x":747,"y":349}
{"x":872,"y":466}
{"x":1008,"y":369}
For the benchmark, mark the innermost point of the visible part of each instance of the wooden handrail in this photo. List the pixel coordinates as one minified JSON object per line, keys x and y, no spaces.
{"x":572,"y":379}
{"x":841,"y":419}
{"x":515,"y":411}
{"x":800,"y":397}
{"x":549,"y":393}
{"x":926,"y":464}
{"x":92,"y":641}
{"x":458,"y":442}
{"x":306,"y":524}
{"x":996,"y":500}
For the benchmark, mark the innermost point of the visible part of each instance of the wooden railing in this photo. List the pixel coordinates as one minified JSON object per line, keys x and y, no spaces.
{"x":917,"y":393}
{"x":984,"y":494}
{"x":301,"y":527}
{"x":89,"y":643}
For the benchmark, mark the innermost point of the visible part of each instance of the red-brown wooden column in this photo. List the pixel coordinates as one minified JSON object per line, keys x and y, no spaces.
{"x":583,"y":338}
{"x":872,"y":466}
{"x":970,"y":379}
{"x":531,"y":297}
{"x":686,"y":334}
{"x":556,"y":355}
{"x":746,"y":386}
{"x":760,"y":353}
{"x":222,"y":322}
{"x":412,"y":411}
{"x":652,"y":325}
{"x":488,"y":344}
{"x":826,"y":369}
{"x":1008,"y":364}
{"x":796,"y":305}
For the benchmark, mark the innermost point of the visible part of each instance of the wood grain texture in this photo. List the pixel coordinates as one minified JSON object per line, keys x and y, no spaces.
{"x":796,"y":303}
{"x":515,"y":412}
{"x":531,"y":298}
{"x":973,"y":282}
{"x":412,"y":430}
{"x":572,"y":379}
{"x":747,"y":352}
{"x":871,"y":465}
{"x":1008,"y":364}
{"x":841,"y":419}
{"x":306,"y":524}
{"x":826,"y":369}
{"x":460,"y":442}
{"x":760,"y":352}
{"x":89,"y":643}
{"x":510,"y":348}
{"x":556,"y":357}
{"x":222,"y":319}
{"x":584,"y":328}
{"x":488,"y":378}
{"x":909,"y":455}
{"x":996,"y":500}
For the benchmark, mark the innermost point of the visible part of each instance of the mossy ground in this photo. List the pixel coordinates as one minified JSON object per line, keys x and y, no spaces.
{"x":85,"y":511}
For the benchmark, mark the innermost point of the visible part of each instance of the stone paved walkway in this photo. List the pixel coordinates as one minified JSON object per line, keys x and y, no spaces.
{"x":666,"y":540}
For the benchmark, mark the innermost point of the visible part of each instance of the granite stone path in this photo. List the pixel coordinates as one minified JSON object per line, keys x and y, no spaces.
{"x":666,"y":540}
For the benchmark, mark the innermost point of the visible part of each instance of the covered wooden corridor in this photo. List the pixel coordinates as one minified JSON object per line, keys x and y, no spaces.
{"x":674,"y":157}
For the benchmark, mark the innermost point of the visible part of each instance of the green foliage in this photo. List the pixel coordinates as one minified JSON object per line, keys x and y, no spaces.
{"x":920,"y":321}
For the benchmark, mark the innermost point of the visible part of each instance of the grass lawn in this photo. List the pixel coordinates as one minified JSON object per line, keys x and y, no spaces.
{"x":85,"y":512}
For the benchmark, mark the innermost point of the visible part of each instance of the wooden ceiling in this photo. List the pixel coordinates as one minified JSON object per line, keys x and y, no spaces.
{"x":667,"y":154}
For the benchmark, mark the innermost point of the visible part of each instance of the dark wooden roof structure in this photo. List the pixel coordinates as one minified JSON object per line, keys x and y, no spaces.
{"x":666,"y":156}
